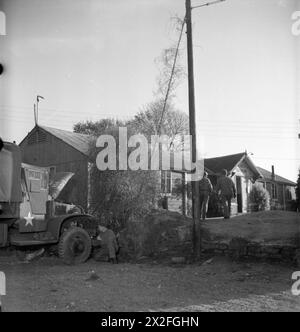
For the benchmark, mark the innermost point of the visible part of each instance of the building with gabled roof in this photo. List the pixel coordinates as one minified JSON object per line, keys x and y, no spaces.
{"x":65,"y":151}
{"x":61,"y":151}
{"x":281,"y":190}
{"x":243,"y":172}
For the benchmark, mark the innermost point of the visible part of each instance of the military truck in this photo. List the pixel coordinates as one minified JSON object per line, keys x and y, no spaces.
{"x":32,"y":215}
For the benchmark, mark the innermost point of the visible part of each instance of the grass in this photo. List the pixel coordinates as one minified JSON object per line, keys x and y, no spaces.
{"x":270,"y":227}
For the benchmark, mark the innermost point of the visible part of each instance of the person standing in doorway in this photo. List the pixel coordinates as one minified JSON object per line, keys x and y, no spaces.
{"x":206,"y":189}
{"x":226,"y":187}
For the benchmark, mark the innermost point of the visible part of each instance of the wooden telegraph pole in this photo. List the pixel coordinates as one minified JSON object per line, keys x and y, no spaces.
{"x":192,"y":113}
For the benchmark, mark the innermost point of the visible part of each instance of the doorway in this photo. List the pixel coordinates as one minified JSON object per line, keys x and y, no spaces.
{"x":239,"y":194}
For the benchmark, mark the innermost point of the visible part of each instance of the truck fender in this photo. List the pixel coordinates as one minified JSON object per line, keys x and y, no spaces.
{"x":55,"y":224}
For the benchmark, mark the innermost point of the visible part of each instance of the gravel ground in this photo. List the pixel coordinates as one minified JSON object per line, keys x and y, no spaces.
{"x":221,"y":285}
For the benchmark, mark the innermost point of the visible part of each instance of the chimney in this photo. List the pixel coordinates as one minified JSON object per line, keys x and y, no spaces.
{"x":273,"y":173}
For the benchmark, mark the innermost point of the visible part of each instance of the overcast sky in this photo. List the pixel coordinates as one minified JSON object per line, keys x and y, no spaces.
{"x":96,"y":58}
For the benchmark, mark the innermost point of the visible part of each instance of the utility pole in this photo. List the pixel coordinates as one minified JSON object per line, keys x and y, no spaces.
{"x":192,"y":112}
{"x":192,"y":116}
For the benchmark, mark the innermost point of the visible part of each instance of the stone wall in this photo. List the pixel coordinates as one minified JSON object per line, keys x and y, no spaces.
{"x":161,"y":234}
{"x":166,"y":234}
{"x":240,"y":248}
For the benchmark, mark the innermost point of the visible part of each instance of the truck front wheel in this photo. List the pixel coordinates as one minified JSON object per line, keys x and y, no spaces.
{"x":75,"y":246}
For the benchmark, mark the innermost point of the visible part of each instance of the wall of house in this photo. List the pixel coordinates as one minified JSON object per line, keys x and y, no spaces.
{"x":242,"y":171}
{"x":49,"y":151}
{"x":175,"y":203}
{"x":284,"y":199}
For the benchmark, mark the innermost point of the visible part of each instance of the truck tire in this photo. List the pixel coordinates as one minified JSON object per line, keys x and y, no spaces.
{"x":75,"y":246}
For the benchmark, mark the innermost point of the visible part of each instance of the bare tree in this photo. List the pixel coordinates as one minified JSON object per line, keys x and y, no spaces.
{"x":171,"y":71}
{"x":151,"y":121}
{"x":160,"y":116}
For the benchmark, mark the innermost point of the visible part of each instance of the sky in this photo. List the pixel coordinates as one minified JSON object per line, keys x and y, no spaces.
{"x":93,"y":59}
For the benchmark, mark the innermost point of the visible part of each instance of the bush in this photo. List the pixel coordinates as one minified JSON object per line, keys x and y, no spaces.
{"x":259,"y":198}
{"x":119,"y":196}
{"x":293,"y":206}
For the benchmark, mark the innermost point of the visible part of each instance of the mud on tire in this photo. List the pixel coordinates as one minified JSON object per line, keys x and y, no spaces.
{"x":74,"y":246}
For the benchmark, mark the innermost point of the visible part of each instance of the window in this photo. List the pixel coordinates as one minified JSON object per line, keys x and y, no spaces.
{"x":166,"y":182}
{"x":40,"y":177}
{"x":45,"y":180}
{"x":274,"y":191}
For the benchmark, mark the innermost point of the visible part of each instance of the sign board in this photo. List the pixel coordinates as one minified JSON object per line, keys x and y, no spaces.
{"x":2,"y":284}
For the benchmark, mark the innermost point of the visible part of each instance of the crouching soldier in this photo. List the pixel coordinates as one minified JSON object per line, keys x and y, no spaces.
{"x":226,"y":187}
{"x":206,"y":189}
{"x":109,"y":245}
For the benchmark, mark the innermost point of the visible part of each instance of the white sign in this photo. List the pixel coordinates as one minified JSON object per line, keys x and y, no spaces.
{"x":2,"y":284}
{"x":2,"y":24}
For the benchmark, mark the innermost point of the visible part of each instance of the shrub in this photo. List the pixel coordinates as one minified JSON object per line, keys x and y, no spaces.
{"x":119,"y":196}
{"x":259,"y":198}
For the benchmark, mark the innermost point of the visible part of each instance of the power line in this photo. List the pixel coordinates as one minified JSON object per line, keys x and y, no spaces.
{"x":275,"y":158}
{"x":247,"y":122}
{"x":208,"y":4}
{"x":254,"y":137}
{"x":172,"y":75}
{"x":52,"y":110}
{"x":65,"y":113}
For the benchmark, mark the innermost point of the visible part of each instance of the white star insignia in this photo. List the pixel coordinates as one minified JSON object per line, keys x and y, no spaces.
{"x":29,"y":220}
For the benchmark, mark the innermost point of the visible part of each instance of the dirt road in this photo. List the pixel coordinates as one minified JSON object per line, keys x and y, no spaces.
{"x":48,"y":285}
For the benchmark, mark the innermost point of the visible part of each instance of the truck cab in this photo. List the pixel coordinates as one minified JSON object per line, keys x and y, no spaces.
{"x":29,"y":213}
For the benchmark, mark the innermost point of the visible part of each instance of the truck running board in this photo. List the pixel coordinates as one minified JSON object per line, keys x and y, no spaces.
{"x":32,"y":239}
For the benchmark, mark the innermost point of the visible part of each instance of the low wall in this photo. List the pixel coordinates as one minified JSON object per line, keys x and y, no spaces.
{"x":241,"y":248}
{"x":162,"y":234}
{"x":167,"y":234}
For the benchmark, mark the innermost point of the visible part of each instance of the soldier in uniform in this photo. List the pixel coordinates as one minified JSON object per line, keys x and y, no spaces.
{"x":109,"y":245}
{"x":226,"y":187}
{"x":206,"y":189}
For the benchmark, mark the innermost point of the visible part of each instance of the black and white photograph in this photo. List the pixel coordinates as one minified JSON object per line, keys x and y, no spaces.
{"x":149,"y":158}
